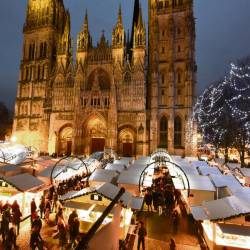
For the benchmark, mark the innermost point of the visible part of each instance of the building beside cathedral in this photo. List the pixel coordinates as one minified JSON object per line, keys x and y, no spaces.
{"x":128,"y":95}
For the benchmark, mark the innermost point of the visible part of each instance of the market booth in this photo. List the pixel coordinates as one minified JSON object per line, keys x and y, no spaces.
{"x":225,"y":221}
{"x":23,"y":188}
{"x":92,"y":201}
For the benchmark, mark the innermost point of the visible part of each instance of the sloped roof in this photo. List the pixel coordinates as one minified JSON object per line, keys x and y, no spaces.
{"x":225,"y":181}
{"x":103,"y":175}
{"x":24,"y":182}
{"x":108,"y":191}
{"x":209,"y":170}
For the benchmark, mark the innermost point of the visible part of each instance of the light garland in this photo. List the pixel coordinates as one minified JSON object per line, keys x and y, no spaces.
{"x":223,"y":110}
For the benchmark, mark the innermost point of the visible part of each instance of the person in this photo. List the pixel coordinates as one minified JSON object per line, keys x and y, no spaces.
{"x":172,"y":245}
{"x":48,"y":205}
{"x":5,"y":223}
{"x":59,"y":214}
{"x":32,"y":211}
{"x":155,"y":200}
{"x":36,"y":240}
{"x":10,"y":240}
{"x":33,"y":206}
{"x":55,"y":199}
{"x":46,"y":215}
{"x":72,"y":216}
{"x":175,"y":221}
{"x":141,"y":236}
{"x":160,"y":202}
{"x":62,"y":232}
{"x":16,"y":219}
{"x":148,"y":200}
{"x":42,"y":207}
{"x":37,"y":223}
{"x":6,"y":205}
{"x":74,"y":231}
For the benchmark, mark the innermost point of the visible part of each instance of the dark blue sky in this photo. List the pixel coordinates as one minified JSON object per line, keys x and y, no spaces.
{"x":223,"y":34}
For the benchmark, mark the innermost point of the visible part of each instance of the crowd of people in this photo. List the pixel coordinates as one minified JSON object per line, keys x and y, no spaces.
{"x":76,"y":182}
{"x":10,"y":223}
{"x":67,"y":232}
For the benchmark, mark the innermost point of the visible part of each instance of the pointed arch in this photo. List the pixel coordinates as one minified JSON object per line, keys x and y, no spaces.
{"x":163,"y":132}
{"x":178,"y":132}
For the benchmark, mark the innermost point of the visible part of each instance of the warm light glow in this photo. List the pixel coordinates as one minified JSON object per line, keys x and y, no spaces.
{"x":13,"y":138}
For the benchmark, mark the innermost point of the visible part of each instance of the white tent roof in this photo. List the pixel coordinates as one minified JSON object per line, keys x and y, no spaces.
{"x":232,"y":166}
{"x":225,"y":208}
{"x":199,"y":182}
{"x":24,"y":182}
{"x":115,"y":167}
{"x":199,"y":164}
{"x":245,"y":171}
{"x":129,"y":177}
{"x":209,"y":170}
{"x":109,"y":191}
{"x":199,"y":213}
{"x":124,"y":161}
{"x":103,"y":175}
{"x":225,"y":181}
{"x":189,"y":170}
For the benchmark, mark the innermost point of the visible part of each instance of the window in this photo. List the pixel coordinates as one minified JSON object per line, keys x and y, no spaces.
{"x":162,"y":79}
{"x":179,"y":48}
{"x":179,"y":77}
{"x":164,"y":132}
{"x":163,"y":50}
{"x":177,"y":132}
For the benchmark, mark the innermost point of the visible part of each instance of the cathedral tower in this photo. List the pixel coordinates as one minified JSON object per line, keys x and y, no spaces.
{"x":43,"y":28}
{"x":172,"y":74}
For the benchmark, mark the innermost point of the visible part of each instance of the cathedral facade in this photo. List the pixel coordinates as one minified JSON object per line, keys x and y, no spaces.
{"x":128,"y":95}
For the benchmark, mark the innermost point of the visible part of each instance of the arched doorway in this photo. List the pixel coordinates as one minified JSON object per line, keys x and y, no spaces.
{"x":65,"y":141}
{"x":95,"y":133}
{"x":126,"y":142}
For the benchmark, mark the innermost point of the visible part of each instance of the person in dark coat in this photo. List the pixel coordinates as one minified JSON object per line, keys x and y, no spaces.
{"x":141,"y":236}
{"x":148,"y":200}
{"x":175,"y":221}
{"x":74,"y":231}
{"x":155,"y":200}
{"x":10,"y":240}
{"x":33,"y":206}
{"x":37,"y":223}
{"x":62,"y":233}
{"x":5,"y":223}
{"x":36,"y":240}
{"x":16,"y":219}
{"x":172,"y":245}
{"x":42,"y":207}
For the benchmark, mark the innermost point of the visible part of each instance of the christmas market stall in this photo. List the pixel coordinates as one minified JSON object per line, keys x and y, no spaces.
{"x":23,"y":188}
{"x":92,"y":201}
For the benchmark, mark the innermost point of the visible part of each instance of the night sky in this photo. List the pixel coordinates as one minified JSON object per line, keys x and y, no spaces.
{"x":223,"y":34}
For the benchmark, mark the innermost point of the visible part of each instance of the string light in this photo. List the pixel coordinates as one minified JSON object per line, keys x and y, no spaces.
{"x":223,"y":110}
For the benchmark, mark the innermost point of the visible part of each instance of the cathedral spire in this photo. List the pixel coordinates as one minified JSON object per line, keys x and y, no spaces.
{"x":83,"y":38}
{"x":135,"y":19}
{"x":120,"y":14}
{"x":118,"y":35}
{"x":86,"y":21}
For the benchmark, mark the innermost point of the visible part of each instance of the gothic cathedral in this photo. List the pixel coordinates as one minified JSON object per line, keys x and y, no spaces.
{"x":127,"y":95}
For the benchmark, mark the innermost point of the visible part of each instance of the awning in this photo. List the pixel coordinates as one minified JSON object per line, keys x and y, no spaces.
{"x":77,"y":205}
